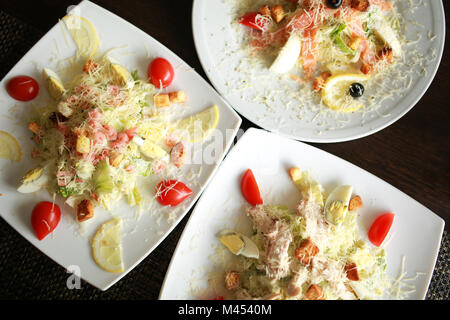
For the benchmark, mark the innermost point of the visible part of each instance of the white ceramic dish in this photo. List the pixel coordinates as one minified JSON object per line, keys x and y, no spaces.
{"x":415,"y":234}
{"x":66,"y":246}
{"x":218,"y":50}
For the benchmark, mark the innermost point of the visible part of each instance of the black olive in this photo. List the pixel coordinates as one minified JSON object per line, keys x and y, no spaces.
{"x":356,"y":90}
{"x":334,"y":4}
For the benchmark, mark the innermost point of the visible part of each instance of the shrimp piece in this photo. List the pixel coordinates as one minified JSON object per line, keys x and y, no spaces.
{"x":354,"y":23}
{"x":159,"y":166}
{"x":309,"y":52}
{"x":100,"y":138}
{"x":131,"y":132}
{"x":383,"y":5}
{"x":368,"y":57}
{"x":171,"y":140}
{"x":121,"y":141}
{"x":130,"y":168}
{"x":178,"y":154}
{"x":110,"y":132}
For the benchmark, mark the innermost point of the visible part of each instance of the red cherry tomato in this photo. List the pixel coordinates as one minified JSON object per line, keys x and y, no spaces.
{"x":249,"y":188}
{"x":23,"y":88}
{"x":160,"y":73}
{"x":44,"y":218}
{"x":251,"y":21}
{"x":172,"y":192}
{"x":380,"y":228}
{"x":219,"y":298}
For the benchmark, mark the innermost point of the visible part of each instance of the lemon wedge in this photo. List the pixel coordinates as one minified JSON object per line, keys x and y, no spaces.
{"x":83,"y":33}
{"x":122,"y":75}
{"x":9,"y":147}
{"x":199,"y":126}
{"x":335,"y":92}
{"x":54,"y":84}
{"x":106,"y":246}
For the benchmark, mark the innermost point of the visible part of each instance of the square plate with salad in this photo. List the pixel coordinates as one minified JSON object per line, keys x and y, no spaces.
{"x":298,"y":223}
{"x":107,"y":140}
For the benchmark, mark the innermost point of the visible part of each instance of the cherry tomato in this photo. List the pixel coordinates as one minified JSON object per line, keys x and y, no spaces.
{"x":249,"y":188}
{"x":219,"y":298}
{"x":44,"y":218}
{"x":380,"y":228}
{"x":251,"y":21}
{"x":172,"y":192}
{"x":160,"y":73}
{"x":23,"y":88}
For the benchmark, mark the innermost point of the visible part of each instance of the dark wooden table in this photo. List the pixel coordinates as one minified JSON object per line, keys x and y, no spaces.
{"x":413,"y":154}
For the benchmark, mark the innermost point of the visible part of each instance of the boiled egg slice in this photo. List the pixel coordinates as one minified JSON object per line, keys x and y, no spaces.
{"x":336,"y":206}
{"x":33,"y":180}
{"x":239,"y":244}
{"x":54,"y":84}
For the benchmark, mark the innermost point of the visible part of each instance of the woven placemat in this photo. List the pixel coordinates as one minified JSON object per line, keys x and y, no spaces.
{"x":26,"y":273}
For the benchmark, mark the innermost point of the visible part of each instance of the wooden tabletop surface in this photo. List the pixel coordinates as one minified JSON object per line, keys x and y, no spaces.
{"x":413,"y":154}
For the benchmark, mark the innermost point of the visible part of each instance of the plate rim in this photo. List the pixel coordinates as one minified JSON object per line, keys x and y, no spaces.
{"x":196,"y":27}
{"x":254,"y":132}
{"x":237,"y":121}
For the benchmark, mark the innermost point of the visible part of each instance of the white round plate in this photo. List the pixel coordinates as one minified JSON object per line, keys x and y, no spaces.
{"x":218,"y":47}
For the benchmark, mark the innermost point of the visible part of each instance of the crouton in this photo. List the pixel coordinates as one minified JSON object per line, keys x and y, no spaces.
{"x":177,"y":97}
{"x":161,"y":100}
{"x":360,"y":5}
{"x":85,"y":210}
{"x":367,"y":68}
{"x":352,"y":271}
{"x":386,"y":54}
{"x":320,"y":80}
{"x":295,"y":174}
{"x":277,"y":13}
{"x":265,"y":11}
{"x":115,"y":158}
{"x":306,"y":252}
{"x":314,"y":292}
{"x":355,"y":203}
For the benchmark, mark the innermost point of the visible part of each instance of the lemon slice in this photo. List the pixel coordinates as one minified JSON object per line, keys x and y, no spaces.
{"x":106,"y":246}
{"x":335,"y":93}
{"x":54,"y":84}
{"x":198,"y":126}
{"x":83,"y":33}
{"x":9,"y":147}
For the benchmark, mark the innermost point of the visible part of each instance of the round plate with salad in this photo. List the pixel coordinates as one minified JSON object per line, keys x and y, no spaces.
{"x":320,"y":70}
{"x":298,"y":223}
{"x":107,"y":140}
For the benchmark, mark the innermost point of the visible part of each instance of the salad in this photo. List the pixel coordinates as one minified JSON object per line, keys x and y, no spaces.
{"x":312,"y":253}
{"x":105,"y":127}
{"x":333,"y":47}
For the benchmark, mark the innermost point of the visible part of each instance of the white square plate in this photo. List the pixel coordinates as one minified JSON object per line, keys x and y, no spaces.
{"x":415,"y":234}
{"x":66,"y":246}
